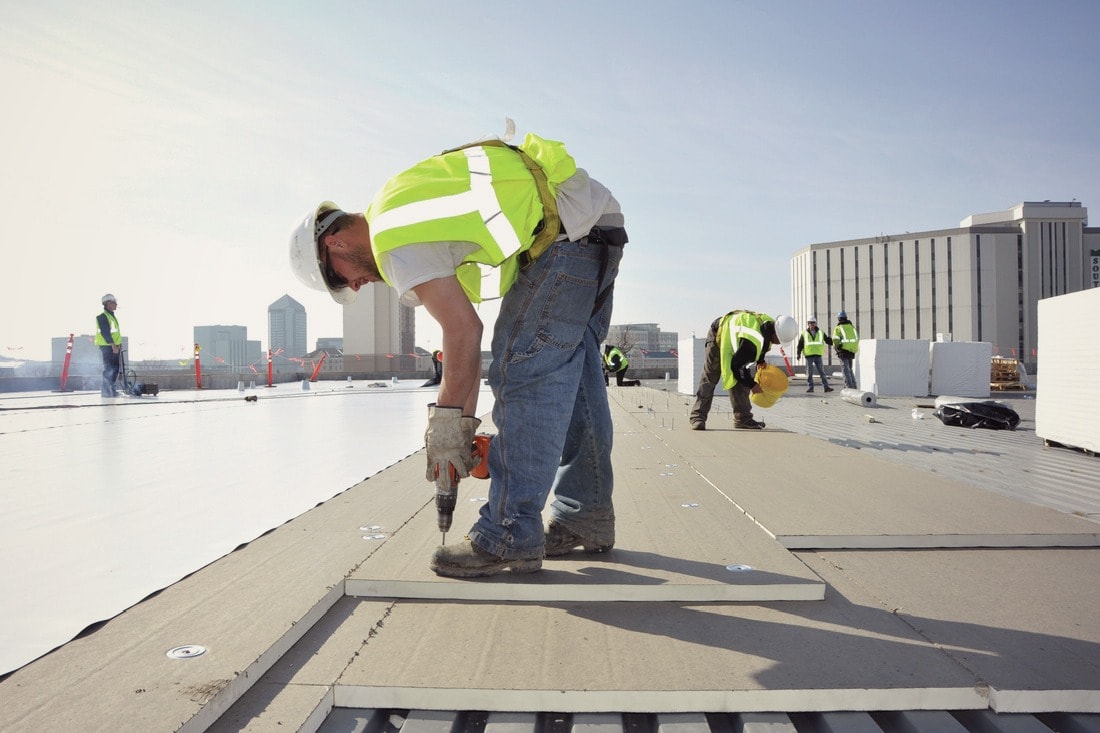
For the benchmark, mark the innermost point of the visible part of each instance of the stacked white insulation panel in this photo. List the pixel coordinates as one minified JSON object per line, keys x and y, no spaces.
{"x":960,"y":368}
{"x":1067,"y":403}
{"x":690,"y":366}
{"x":893,"y":367}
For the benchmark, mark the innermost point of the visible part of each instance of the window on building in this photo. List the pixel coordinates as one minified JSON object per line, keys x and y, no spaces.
{"x":901,"y":287}
{"x":932,"y":268}
{"x":978,"y":274}
{"x":1020,"y":303}
{"x":950,"y":291}
{"x":855,"y":264}
{"x":916,"y":284}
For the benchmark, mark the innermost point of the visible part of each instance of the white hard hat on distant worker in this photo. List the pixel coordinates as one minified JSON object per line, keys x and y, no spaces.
{"x":108,"y":298}
{"x":786,"y":328}
{"x":305,"y":252}
{"x":811,"y":319}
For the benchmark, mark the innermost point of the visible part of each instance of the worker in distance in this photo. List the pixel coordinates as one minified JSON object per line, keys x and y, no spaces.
{"x":525,"y":224}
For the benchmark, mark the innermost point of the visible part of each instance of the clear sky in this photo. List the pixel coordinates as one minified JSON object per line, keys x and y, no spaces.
{"x":162,"y":151}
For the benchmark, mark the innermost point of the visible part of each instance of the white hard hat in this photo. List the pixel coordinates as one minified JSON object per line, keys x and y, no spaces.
{"x":811,"y":319}
{"x":786,"y":328}
{"x":305,"y":258}
{"x":108,"y":298}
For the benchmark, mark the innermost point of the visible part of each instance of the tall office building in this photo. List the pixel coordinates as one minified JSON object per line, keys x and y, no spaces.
{"x":379,"y":332}
{"x":286,"y":329}
{"x":980,"y":281}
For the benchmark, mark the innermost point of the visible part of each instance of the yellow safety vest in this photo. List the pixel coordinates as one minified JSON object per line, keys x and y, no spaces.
{"x":500,"y":198}
{"x":847,"y":336}
{"x":116,"y":334}
{"x":738,"y":325}
{"x":610,"y":356}
{"x":811,"y":345}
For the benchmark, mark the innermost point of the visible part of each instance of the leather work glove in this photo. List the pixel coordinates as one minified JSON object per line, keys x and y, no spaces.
{"x":448,"y":447}
{"x":469,"y":430}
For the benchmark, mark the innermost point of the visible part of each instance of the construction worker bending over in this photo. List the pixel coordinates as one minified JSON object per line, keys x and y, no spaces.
{"x":483,"y":221}
{"x":736,"y":343}
{"x":615,"y":362}
{"x":108,"y":338}
{"x":811,"y":344}
{"x":846,"y":343}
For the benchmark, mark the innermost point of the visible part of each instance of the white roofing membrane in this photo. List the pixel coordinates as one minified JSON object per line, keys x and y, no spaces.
{"x":107,"y":501}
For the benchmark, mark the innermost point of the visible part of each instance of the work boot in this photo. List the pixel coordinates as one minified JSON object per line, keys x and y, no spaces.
{"x":749,"y":425}
{"x":828,"y":389}
{"x":467,"y":560}
{"x":811,"y":389}
{"x":562,"y":541}
{"x":698,"y":425}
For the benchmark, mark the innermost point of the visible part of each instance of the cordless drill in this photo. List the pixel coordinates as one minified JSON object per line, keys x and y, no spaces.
{"x":446,"y":496}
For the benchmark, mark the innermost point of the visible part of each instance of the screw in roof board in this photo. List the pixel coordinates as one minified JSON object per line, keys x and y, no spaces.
{"x":187,"y":651}
{"x":370,"y":528}
{"x":479,"y":498}
{"x":374,"y":536}
{"x":690,"y":506}
{"x":737,"y":568}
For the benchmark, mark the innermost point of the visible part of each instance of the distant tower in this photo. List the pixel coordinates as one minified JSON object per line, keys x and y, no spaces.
{"x":286,"y":328}
{"x":377,"y":325}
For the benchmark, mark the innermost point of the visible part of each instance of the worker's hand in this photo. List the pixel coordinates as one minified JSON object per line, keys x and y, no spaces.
{"x":469,"y":430}
{"x":757,"y":389}
{"x":114,"y":349}
{"x":447,"y":444}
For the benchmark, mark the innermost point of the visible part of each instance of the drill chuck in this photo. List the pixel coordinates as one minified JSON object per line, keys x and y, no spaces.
{"x":445,"y":507}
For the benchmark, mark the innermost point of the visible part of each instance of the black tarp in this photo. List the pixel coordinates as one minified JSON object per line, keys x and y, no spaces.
{"x":991,"y":415}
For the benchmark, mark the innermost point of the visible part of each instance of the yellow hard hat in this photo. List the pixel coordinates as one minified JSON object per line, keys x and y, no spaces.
{"x":773,"y":381}
{"x":765,"y":399}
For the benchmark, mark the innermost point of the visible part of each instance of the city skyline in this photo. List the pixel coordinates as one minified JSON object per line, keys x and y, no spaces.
{"x":160,"y":154}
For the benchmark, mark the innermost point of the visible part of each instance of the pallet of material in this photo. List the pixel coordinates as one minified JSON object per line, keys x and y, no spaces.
{"x":1006,"y":385}
{"x":1004,"y":373}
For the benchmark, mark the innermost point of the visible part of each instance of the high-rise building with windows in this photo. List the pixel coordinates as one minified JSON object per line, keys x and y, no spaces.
{"x":286,"y":329}
{"x":980,"y":281}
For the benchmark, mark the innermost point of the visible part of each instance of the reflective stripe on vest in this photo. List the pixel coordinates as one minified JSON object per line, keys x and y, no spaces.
{"x":847,"y":335}
{"x":609,"y":357}
{"x":481,"y":197}
{"x":811,"y":345}
{"x":738,"y":325}
{"x":116,"y":335}
{"x":485,"y":194}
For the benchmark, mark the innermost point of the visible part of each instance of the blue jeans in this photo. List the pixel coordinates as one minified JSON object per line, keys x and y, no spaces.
{"x":111,"y":368}
{"x":814,"y":362}
{"x":849,"y":375}
{"x":551,"y":412}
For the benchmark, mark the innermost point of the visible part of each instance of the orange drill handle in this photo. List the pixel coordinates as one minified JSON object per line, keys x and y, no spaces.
{"x":481,"y":448}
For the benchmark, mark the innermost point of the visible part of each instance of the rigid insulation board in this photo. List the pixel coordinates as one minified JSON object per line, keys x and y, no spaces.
{"x":692,"y":356}
{"x":1067,"y":408}
{"x":960,"y":368}
{"x":894,"y":367}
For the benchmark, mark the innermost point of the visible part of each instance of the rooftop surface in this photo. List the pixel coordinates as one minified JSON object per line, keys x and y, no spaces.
{"x":829,"y":573}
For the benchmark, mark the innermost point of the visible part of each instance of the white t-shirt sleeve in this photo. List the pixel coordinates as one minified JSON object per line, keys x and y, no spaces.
{"x":415,"y":264}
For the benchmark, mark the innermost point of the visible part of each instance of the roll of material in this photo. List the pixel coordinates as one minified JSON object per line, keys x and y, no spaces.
{"x":859,"y":397}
